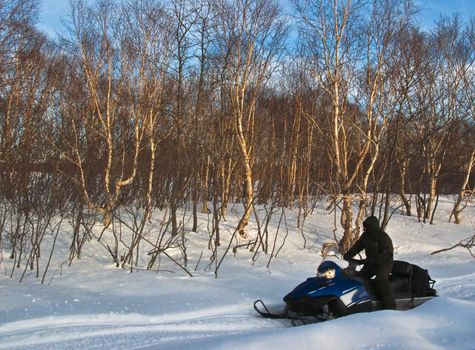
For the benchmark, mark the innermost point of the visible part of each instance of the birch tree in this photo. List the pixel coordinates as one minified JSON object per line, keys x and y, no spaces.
{"x":329,"y":33}
{"x":467,"y":116}
{"x":98,"y":109}
{"x":250,"y":36}
{"x":439,"y":107}
{"x":387,"y":22}
{"x":145,"y":56}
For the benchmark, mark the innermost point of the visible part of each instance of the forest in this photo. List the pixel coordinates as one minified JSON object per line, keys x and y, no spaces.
{"x":183,"y":107}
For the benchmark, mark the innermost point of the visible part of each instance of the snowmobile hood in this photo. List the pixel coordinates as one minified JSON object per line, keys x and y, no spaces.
{"x":316,"y":288}
{"x":371,"y":224}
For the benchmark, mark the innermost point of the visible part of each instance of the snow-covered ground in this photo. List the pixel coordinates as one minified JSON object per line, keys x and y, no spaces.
{"x":93,"y":305}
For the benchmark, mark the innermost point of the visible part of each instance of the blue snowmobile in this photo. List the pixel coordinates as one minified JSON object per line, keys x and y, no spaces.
{"x":337,"y":292}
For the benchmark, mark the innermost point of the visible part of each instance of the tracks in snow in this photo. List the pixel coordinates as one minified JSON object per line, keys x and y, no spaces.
{"x":119,"y":331}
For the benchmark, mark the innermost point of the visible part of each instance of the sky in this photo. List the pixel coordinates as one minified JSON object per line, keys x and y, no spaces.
{"x":432,"y":9}
{"x":51,"y":12}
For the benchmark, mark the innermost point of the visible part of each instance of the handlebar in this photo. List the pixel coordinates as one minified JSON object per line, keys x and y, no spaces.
{"x":350,"y":271}
{"x":356,"y":262}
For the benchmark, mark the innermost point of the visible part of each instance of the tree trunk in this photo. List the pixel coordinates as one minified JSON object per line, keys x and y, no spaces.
{"x":346,"y":221}
{"x":463,"y":189}
{"x":248,"y":197}
{"x":402,"y":188}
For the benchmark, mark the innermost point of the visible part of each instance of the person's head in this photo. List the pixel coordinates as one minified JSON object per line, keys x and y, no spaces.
{"x":371,"y":224}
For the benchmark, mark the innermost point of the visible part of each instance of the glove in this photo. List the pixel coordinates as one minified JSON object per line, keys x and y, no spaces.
{"x":349,"y":273}
{"x":346,"y":256}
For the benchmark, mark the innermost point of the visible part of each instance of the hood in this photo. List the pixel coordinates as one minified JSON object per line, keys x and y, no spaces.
{"x":371,"y":224}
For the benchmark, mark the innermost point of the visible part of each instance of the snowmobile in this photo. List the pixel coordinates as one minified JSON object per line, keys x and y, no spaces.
{"x":337,"y":291}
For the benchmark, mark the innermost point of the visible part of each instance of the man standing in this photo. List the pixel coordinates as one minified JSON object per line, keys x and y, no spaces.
{"x":379,"y":258}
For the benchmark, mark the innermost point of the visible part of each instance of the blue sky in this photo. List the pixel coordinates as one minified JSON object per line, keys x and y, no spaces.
{"x":51,"y":12}
{"x":432,"y":9}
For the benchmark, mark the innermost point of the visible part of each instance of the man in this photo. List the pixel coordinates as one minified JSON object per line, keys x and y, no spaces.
{"x":379,"y":258}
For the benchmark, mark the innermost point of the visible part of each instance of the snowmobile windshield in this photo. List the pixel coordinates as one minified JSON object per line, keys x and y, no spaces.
{"x":328,"y":274}
{"x":327,"y":269}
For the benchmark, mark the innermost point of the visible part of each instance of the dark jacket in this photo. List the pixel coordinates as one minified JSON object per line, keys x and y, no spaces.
{"x":376,"y":243}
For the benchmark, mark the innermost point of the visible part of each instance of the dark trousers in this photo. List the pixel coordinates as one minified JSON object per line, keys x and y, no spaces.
{"x":381,"y":284}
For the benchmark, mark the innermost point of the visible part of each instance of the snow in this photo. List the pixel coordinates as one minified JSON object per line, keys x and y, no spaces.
{"x":94,"y":305}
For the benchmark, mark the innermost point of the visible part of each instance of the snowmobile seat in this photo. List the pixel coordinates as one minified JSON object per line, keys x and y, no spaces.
{"x":402,"y":268}
{"x":412,"y":278}
{"x":400,"y":277}
{"x":399,"y":284}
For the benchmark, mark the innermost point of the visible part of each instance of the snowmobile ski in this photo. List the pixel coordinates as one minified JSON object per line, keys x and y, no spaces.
{"x":264,"y":311}
{"x":295,"y":318}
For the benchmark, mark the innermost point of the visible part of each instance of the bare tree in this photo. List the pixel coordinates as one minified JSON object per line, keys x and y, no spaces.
{"x":329,"y":34}
{"x":438,"y":106}
{"x":250,"y":36}
{"x":115,"y":129}
{"x":379,"y":96}
{"x":467,"y":116}
{"x":146,"y":57}
{"x":28,"y":183}
{"x":351,"y":54}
